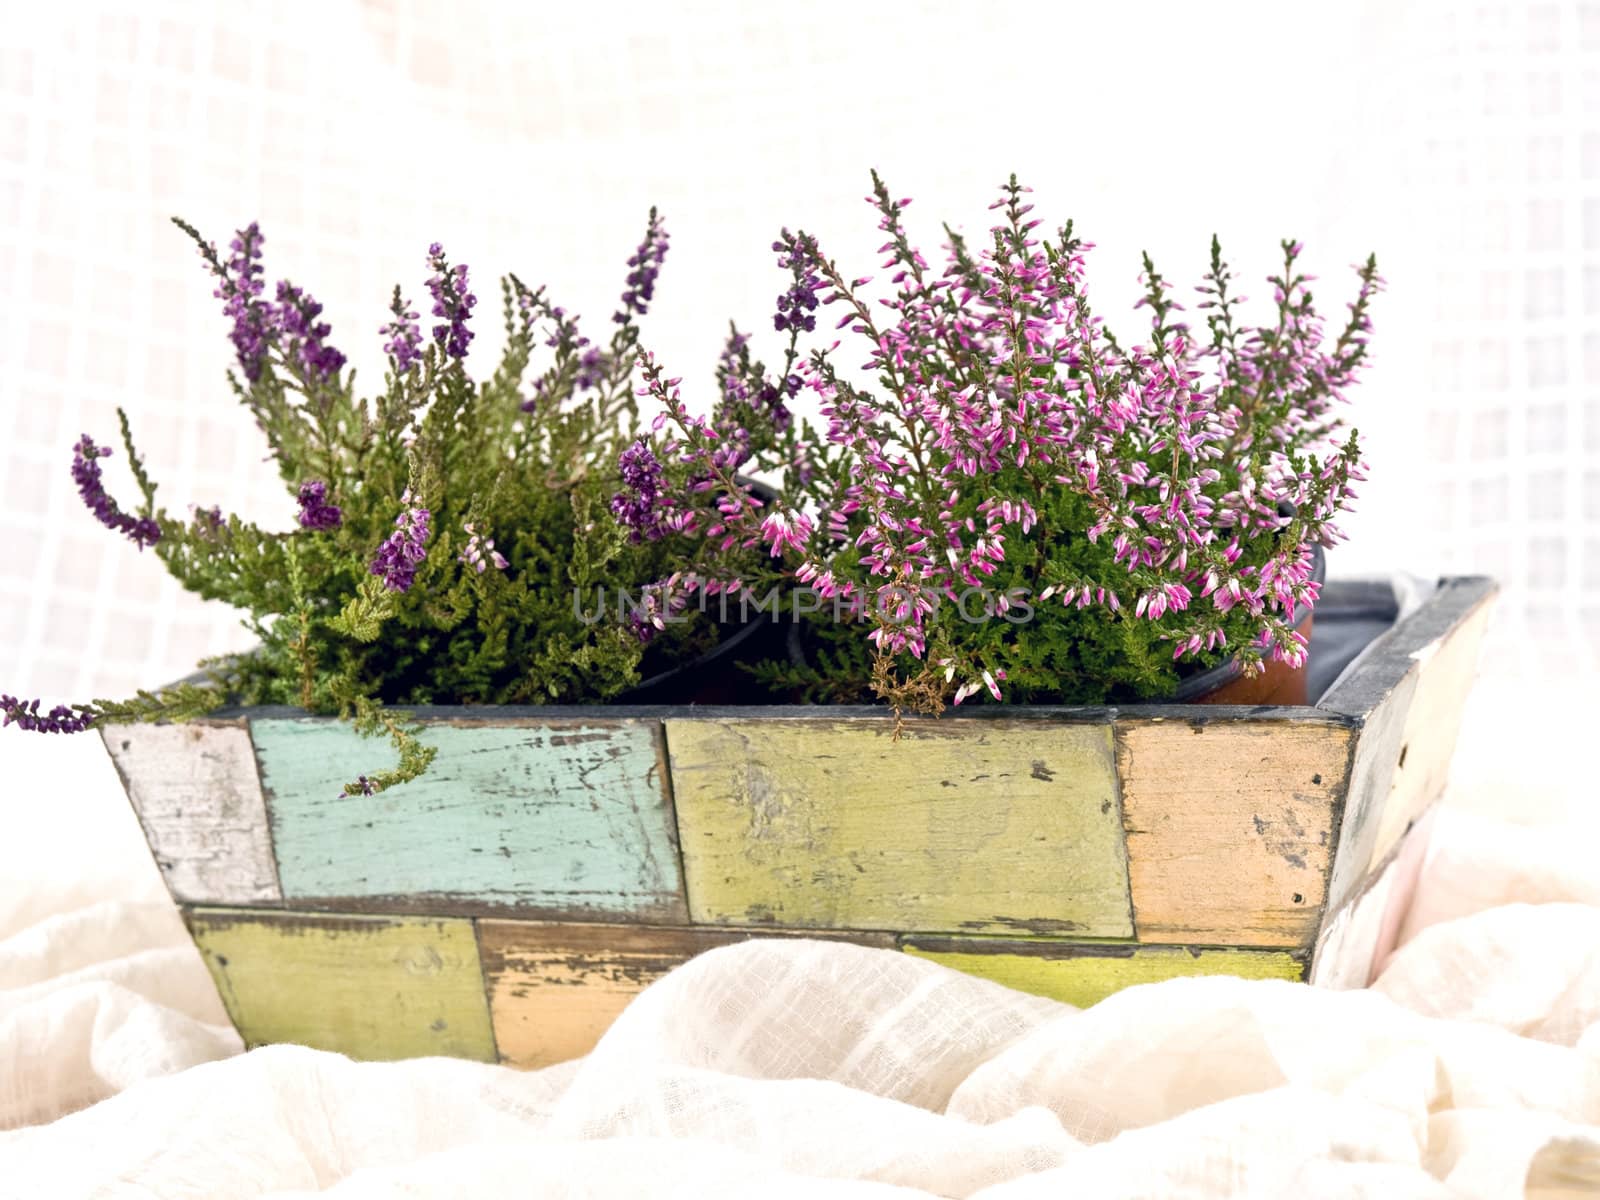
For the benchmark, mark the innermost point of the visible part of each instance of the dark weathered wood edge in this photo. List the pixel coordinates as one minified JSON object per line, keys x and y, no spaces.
{"x":560,"y":715}
{"x":1049,"y":948}
{"x":501,"y":941}
{"x":1061,"y":949}
{"x":1341,"y":810}
{"x":486,"y":986}
{"x":1391,"y":657}
{"x":669,"y":801}
{"x":223,"y":915}
{"x":662,"y":912}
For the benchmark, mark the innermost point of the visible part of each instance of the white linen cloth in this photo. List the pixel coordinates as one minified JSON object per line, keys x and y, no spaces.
{"x":798,"y":1068}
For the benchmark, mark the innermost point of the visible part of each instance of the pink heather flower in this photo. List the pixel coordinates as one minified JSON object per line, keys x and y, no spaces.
{"x":786,"y":531}
{"x":479,"y":553}
{"x":1000,"y":403}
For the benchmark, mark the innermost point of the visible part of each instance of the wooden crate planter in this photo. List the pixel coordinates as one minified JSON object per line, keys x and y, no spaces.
{"x":554,"y":862}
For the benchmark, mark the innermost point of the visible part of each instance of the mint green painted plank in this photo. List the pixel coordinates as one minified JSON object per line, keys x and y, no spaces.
{"x":553,"y":817}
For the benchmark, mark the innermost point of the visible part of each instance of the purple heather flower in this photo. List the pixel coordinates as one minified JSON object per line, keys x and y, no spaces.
{"x":797,"y":307}
{"x":60,"y":719}
{"x":297,"y":317}
{"x":591,"y":368}
{"x":207,"y":522}
{"x":240,"y":285}
{"x":405,"y":550}
{"x":643,"y":267}
{"x":452,"y":301}
{"x":86,"y":471}
{"x":657,"y":604}
{"x":638,"y":506}
{"x":405,"y":338}
{"x":315,"y":511}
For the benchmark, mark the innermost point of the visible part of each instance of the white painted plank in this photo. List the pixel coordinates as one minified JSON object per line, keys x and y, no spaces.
{"x":198,"y":796}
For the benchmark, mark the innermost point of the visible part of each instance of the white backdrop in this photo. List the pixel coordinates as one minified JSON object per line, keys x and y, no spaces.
{"x":1460,"y":141}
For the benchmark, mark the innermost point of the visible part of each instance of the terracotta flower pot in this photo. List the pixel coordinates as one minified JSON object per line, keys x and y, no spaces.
{"x":1277,"y":683}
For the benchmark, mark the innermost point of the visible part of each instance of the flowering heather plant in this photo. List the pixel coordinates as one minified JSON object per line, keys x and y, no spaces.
{"x":1020,"y":505}
{"x":437,"y":531}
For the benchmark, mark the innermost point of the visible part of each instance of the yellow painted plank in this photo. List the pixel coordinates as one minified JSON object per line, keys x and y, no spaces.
{"x":369,"y":987}
{"x":1085,"y":975}
{"x":991,"y":825}
{"x":1230,"y":827}
{"x":555,"y":988}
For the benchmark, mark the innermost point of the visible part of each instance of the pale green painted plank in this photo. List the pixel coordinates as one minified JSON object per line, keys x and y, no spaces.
{"x":993,"y":826}
{"x":1085,"y":975}
{"x":369,"y":987}
{"x":556,"y":818}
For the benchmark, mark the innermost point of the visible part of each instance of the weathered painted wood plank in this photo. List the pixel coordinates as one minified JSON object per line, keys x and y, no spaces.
{"x":370,"y":987}
{"x":1408,"y":694}
{"x":556,"y":818}
{"x":1230,"y":827}
{"x":1395,"y":654}
{"x":1083,"y":974}
{"x":1378,"y":746}
{"x":1445,"y":672}
{"x":554,"y":988}
{"x":836,"y":824}
{"x":198,"y":797}
{"x":1357,"y":938}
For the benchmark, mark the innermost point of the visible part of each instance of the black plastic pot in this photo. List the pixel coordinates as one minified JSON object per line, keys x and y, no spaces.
{"x":714,"y":677}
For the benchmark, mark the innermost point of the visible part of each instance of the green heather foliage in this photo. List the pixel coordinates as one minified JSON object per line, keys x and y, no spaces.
{"x":446,"y":525}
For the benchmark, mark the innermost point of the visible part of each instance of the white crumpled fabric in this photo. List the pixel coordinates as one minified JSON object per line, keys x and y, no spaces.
{"x":809,"y":1069}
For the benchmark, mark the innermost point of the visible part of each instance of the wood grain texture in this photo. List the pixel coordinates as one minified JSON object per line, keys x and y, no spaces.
{"x":834,"y":824}
{"x":198,"y":797}
{"x":555,"y":988}
{"x":369,"y":987}
{"x":558,"y":818}
{"x":1230,"y":827}
{"x":1085,"y":974}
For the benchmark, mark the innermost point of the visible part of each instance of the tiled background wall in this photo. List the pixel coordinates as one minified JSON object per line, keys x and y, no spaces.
{"x":1461,"y":141}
